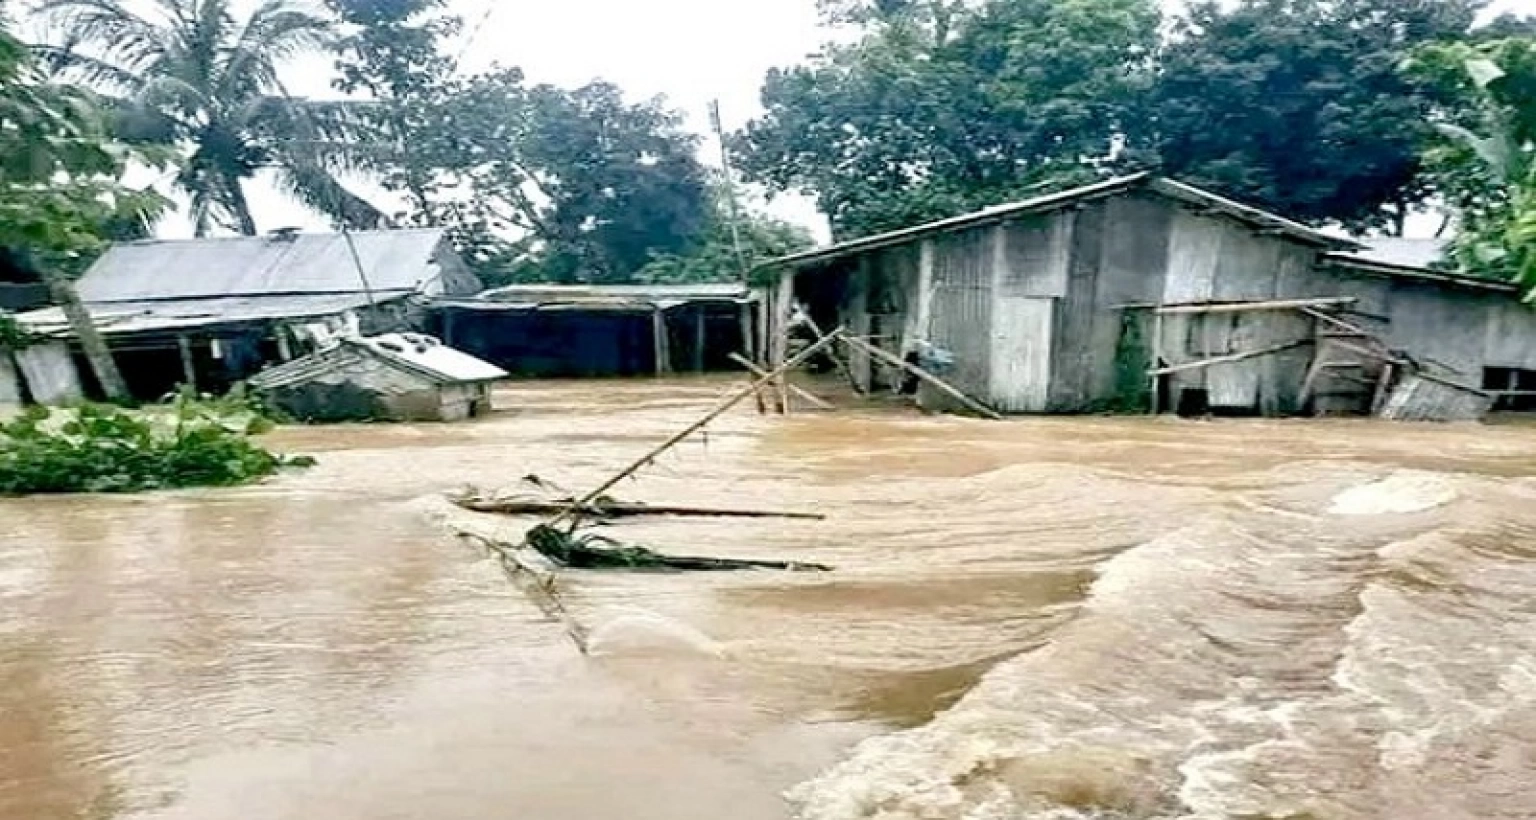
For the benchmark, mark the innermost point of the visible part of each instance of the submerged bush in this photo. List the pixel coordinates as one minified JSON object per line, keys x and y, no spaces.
{"x":101,"y":449}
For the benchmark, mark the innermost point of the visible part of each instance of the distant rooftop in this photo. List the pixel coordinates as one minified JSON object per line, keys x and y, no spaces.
{"x":1402,"y":253}
{"x":280,"y":264}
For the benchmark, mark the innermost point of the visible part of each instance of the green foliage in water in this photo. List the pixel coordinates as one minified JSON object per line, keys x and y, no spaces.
{"x":12,"y":335}
{"x":1133,"y":388}
{"x":101,"y":449}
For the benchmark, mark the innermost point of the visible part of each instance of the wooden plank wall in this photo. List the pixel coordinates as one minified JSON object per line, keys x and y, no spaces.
{"x":1219,"y":259}
{"x":963,"y":275}
{"x":1032,"y":260}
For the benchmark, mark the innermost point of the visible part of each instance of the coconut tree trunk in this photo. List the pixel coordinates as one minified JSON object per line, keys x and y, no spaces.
{"x":239,"y":205}
{"x":96,"y":351}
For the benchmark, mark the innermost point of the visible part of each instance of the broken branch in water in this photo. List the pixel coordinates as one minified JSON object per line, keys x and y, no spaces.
{"x":597,"y":552}
{"x":536,"y":582}
{"x":605,"y":509}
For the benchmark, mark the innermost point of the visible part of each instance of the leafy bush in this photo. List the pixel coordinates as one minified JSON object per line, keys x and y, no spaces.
{"x":95,"y":448}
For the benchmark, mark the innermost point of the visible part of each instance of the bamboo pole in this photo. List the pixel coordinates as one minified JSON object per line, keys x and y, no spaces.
{"x":1243,"y":307}
{"x":1228,"y":359}
{"x":842,"y":365}
{"x":758,"y":372}
{"x":585,"y":501}
{"x":971,"y":404}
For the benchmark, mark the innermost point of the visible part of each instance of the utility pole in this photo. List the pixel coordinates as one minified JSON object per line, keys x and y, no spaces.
{"x":730,"y":186}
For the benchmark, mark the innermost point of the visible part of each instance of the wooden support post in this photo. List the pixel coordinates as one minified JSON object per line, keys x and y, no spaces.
{"x":945,"y":387}
{"x":188,"y":364}
{"x":284,"y":346}
{"x":748,"y":338}
{"x":758,"y":372}
{"x":843,"y":365}
{"x":720,"y":410}
{"x":1157,"y":362}
{"x":659,"y":334}
{"x":700,"y":336}
{"x":1228,"y":359}
{"x":1309,"y":384}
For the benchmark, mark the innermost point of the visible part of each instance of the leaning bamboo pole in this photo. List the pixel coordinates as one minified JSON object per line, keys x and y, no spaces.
{"x":574,"y":510}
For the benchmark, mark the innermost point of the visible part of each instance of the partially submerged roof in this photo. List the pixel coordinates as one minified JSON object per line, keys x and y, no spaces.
{"x":273,"y":265}
{"x":1162,"y":186}
{"x":421,"y":355}
{"x":543,"y":297}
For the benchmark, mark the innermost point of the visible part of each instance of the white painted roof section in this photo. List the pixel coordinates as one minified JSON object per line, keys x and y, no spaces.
{"x":1402,"y":253}
{"x":299,"y":264}
{"x":428,"y":354}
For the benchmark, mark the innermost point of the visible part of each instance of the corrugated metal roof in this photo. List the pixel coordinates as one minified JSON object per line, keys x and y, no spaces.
{"x":615,"y":298}
{"x":262,"y":266}
{"x":1170,"y":188}
{"x":544,"y":294}
{"x":120,"y":318}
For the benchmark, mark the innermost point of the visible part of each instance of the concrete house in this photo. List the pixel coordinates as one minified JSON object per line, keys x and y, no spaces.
{"x":1145,"y":294}
{"x":210,"y":312}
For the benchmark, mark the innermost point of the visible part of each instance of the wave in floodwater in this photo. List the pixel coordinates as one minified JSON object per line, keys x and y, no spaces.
{"x":1372,"y":657}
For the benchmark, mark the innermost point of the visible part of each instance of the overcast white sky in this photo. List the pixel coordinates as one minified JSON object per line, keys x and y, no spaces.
{"x":691,"y":51}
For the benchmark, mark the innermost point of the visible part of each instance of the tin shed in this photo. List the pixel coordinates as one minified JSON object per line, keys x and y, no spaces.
{"x":1143,"y":293}
{"x":396,"y":377}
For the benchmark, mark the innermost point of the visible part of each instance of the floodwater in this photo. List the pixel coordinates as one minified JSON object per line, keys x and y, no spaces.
{"x":1047,"y":618}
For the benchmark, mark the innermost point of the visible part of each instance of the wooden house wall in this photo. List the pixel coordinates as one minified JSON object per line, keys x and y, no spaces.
{"x":1032,"y":261}
{"x":1215,"y":259}
{"x":962,"y":302}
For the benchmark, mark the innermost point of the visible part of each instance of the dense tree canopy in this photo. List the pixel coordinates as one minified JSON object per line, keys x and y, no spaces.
{"x":1301,"y":106}
{"x":942,"y":106}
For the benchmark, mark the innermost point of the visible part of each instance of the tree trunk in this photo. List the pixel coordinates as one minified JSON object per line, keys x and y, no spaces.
{"x":96,"y":350}
{"x":238,"y":204}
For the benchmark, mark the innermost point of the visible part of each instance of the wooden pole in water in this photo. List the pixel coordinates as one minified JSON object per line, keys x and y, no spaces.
{"x":759,"y":373}
{"x":586,"y":501}
{"x":945,"y":387}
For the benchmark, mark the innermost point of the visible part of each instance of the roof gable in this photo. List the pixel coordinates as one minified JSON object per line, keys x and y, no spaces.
{"x":1162,"y":186}
{"x":398,"y":261}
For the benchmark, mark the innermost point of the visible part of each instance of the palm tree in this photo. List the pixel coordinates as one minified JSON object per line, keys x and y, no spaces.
{"x":190,"y":74}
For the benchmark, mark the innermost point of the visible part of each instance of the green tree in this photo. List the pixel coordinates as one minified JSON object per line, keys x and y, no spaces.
{"x":190,"y":73}
{"x":943,"y":107}
{"x":565,"y":186}
{"x":391,"y":52}
{"x":1483,"y":166}
{"x":1299,"y":105}
{"x":59,"y":189}
{"x":715,"y":257}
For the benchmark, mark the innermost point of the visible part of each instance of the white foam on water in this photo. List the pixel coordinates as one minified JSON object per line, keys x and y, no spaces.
{"x":631,"y":629}
{"x":1406,"y":491}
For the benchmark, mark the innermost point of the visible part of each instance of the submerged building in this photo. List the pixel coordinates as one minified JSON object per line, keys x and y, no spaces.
{"x":210,"y":312}
{"x":1146,"y":294}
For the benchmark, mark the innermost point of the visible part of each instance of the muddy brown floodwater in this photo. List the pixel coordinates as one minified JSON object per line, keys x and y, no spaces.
{"x":1048,"y":618}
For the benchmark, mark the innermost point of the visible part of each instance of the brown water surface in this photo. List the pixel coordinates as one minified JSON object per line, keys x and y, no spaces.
{"x":1046,"y":618}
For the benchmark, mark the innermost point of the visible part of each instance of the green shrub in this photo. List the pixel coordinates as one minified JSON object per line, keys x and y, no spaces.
{"x":95,"y":448}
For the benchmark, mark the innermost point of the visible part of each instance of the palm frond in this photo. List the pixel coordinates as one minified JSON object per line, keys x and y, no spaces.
{"x":275,"y":32}
{"x":122,"y":36}
{"x":325,"y":194}
{"x":100,"y":74}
